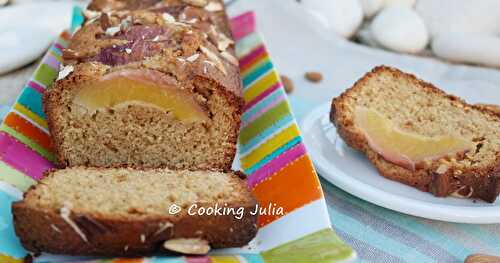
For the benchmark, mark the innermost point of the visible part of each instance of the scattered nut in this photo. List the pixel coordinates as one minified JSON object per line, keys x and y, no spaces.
{"x":287,"y":84}
{"x":199,"y":3}
{"x":482,"y":258}
{"x":194,"y":246}
{"x":314,"y":76}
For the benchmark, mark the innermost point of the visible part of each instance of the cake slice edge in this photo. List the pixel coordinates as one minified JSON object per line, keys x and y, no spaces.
{"x":482,"y":184}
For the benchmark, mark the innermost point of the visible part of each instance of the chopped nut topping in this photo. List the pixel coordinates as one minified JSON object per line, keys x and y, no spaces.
{"x":193,"y":246}
{"x":229,"y":58}
{"x":64,"y":71}
{"x":192,"y":21}
{"x":168,"y":18}
{"x":223,"y":42}
{"x":65,"y":213}
{"x":89,"y":14}
{"x":163,"y":227}
{"x":182,"y":16}
{"x":442,"y":169}
{"x":214,"y":58}
{"x":128,"y":50}
{"x":55,"y":228}
{"x":143,"y":238}
{"x":463,"y":192}
{"x":193,"y":57}
{"x":125,"y":24}
{"x":111,"y":31}
{"x":199,"y":3}
{"x":214,"y":7}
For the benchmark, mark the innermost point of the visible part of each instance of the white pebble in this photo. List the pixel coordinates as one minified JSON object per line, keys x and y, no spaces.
{"x":407,"y":3}
{"x":468,"y":48}
{"x":460,"y":16}
{"x":342,"y":16}
{"x":400,"y":29}
{"x":371,"y":7}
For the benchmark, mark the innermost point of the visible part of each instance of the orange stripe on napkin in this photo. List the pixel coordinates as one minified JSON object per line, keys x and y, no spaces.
{"x":292,"y":187}
{"x":29,"y":130}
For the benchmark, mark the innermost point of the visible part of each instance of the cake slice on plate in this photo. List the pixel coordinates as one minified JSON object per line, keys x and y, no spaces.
{"x":418,"y":135}
{"x":124,"y":212}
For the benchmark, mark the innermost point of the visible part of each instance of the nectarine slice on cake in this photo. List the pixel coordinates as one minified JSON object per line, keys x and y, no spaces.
{"x":141,"y":87}
{"x":404,"y":148}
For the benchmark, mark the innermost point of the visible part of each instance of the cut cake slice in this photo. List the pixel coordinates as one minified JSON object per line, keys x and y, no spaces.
{"x":418,"y":135}
{"x":126,"y":212}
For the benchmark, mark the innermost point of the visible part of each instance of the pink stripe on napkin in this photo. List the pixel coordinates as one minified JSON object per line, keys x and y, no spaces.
{"x":276,"y":164}
{"x":261,"y":96}
{"x":252,"y":55}
{"x":265,"y":109}
{"x":36,"y":86}
{"x":22,"y":158}
{"x":243,"y":25}
{"x":203,"y":259}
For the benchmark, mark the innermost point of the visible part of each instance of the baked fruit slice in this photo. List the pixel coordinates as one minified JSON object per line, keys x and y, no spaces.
{"x":416,"y":134}
{"x":148,"y":88}
{"x":122,"y":211}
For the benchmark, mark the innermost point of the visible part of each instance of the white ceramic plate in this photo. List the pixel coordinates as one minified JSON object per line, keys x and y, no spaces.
{"x":351,"y":171}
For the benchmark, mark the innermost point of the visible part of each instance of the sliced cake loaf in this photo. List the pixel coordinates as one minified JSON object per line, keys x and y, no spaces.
{"x":148,"y":88}
{"x":121,"y":211}
{"x":416,"y":134}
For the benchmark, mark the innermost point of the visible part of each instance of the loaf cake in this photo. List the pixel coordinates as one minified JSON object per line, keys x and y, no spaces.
{"x":418,"y":135}
{"x":153,"y":87}
{"x":125,"y":212}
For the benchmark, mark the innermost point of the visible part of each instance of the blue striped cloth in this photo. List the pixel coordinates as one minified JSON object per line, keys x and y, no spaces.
{"x":382,"y":235}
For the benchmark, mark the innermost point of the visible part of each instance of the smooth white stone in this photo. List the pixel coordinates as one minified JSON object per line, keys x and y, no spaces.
{"x":407,"y":3}
{"x":26,"y":30}
{"x":468,"y":48}
{"x":342,"y":16}
{"x":460,"y":16}
{"x":400,"y":29}
{"x":371,"y":7}
{"x":21,"y":46}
